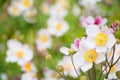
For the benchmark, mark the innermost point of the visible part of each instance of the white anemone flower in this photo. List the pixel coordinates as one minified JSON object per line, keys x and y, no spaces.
{"x":29,"y":67}
{"x":18,"y":53}
{"x":100,"y":38}
{"x":76,"y":10}
{"x":45,"y":8}
{"x":114,"y":69}
{"x":26,"y":4}
{"x":87,"y":3}
{"x":86,"y":56}
{"x":29,"y":76}
{"x":30,"y":15}
{"x":57,"y":27}
{"x":58,"y":11}
{"x":68,"y":66}
{"x":50,"y":74}
{"x":14,"y":10}
{"x":43,"y":40}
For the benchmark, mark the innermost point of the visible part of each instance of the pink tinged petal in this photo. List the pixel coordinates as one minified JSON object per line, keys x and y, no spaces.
{"x":100,"y":58}
{"x":103,"y":22}
{"x":90,"y":20}
{"x":98,"y":20}
{"x":92,"y":30}
{"x":111,"y":40}
{"x":101,"y":49}
{"x":64,"y":50}
{"x":86,"y":66}
{"x":105,"y":29}
{"x":77,"y":42}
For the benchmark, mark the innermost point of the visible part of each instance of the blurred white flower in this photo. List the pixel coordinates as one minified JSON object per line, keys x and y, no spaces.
{"x":45,"y":7}
{"x":58,"y":11}
{"x":30,"y":15}
{"x":88,"y":3}
{"x":85,"y":22}
{"x":14,"y":10}
{"x":76,"y":10}
{"x":43,"y":40}
{"x":57,"y":26}
{"x":18,"y":53}
{"x":68,"y":66}
{"x":3,"y":76}
{"x":29,"y":67}
{"x":50,"y":74}
{"x":29,"y":76}
{"x":26,"y":4}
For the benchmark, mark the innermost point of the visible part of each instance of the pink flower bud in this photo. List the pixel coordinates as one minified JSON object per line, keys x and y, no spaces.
{"x":77,"y":42}
{"x":98,"y":20}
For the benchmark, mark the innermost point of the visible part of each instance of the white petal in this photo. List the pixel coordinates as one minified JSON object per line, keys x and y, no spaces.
{"x":92,"y":30}
{"x":111,"y":40}
{"x":100,"y":58}
{"x":101,"y":49}
{"x":86,"y":66}
{"x":74,"y":47}
{"x":64,"y":50}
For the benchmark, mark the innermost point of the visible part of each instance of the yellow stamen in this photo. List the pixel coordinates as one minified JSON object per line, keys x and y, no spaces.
{"x":58,"y":26}
{"x":43,"y":38}
{"x":101,"y":39}
{"x":20,"y":54}
{"x":90,"y":55}
{"x":26,"y":3}
{"x":28,"y":67}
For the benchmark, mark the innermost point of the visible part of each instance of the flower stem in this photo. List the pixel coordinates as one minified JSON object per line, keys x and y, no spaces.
{"x":74,"y":66}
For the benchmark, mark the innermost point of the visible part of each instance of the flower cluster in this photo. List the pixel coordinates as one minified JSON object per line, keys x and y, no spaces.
{"x":98,"y":47}
{"x":56,"y":25}
{"x":22,"y":55}
{"x":23,"y":7}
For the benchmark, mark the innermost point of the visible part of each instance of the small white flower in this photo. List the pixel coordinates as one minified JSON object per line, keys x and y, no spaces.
{"x":58,"y":11}
{"x":29,"y":67}
{"x":45,"y":8}
{"x":14,"y":10}
{"x":76,"y":10}
{"x":29,"y":76}
{"x":30,"y":15}
{"x":25,"y":4}
{"x":18,"y":53}
{"x":50,"y":74}
{"x":68,"y":66}
{"x":43,"y":40}
{"x":87,"y":3}
{"x":57,"y":27}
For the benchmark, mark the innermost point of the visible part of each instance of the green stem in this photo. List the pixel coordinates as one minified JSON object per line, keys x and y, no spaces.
{"x":94,"y":71}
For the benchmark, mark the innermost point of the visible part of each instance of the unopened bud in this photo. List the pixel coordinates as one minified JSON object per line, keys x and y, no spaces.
{"x":117,"y":41}
{"x":118,"y":74}
{"x":83,"y":78}
{"x":71,"y":51}
{"x":48,"y":57}
{"x":60,"y":68}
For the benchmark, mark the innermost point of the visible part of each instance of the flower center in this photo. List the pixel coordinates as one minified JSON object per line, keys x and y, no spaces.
{"x":15,"y":10}
{"x":58,"y":26}
{"x":26,"y":3}
{"x":43,"y":38}
{"x":101,"y":39}
{"x":19,"y":54}
{"x":28,"y":67}
{"x":90,"y":55}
